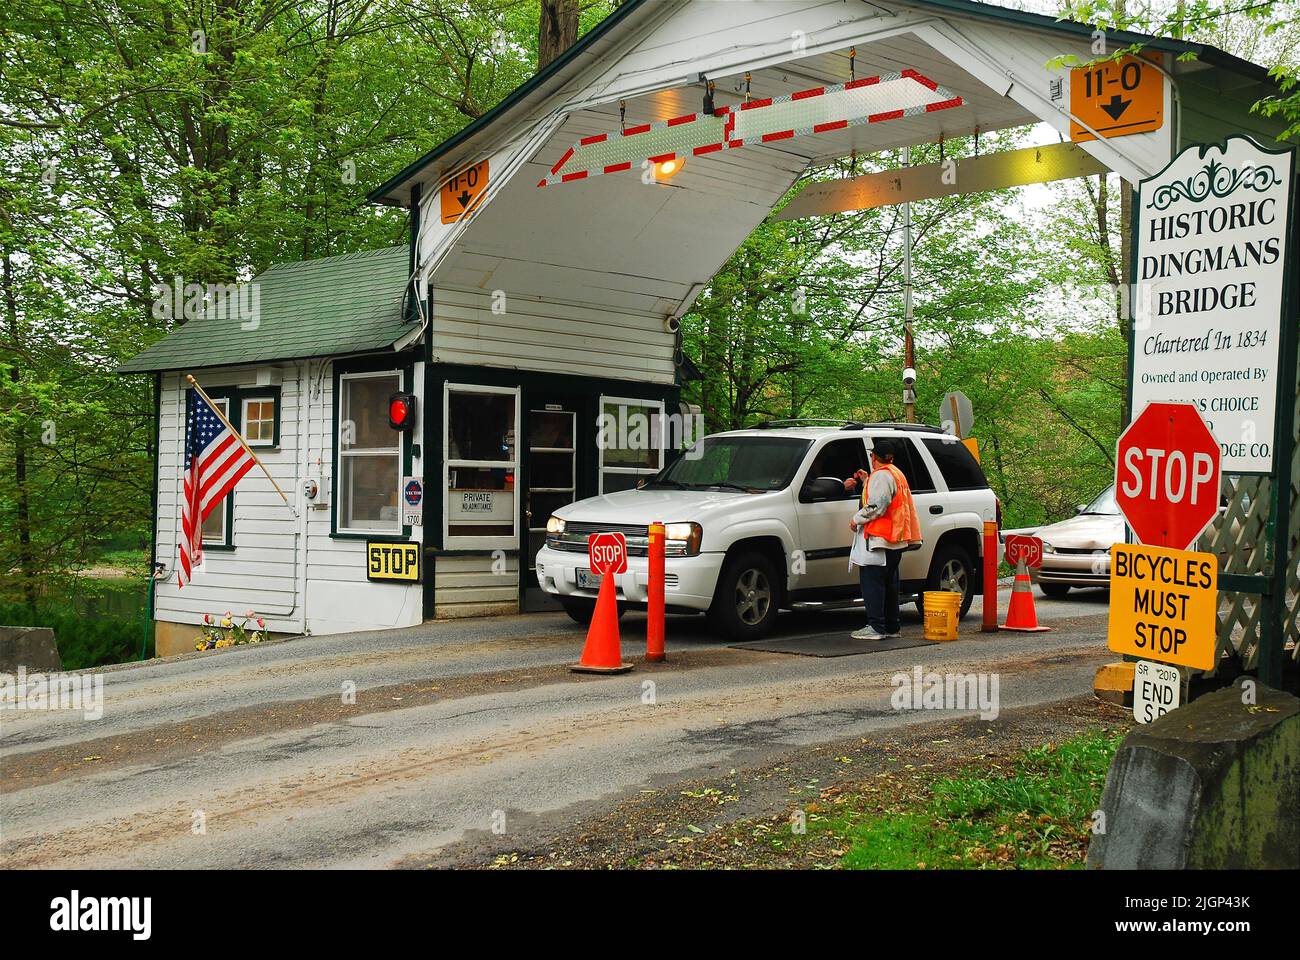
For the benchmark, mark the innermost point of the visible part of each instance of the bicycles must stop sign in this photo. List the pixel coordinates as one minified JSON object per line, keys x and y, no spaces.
{"x":608,"y":553}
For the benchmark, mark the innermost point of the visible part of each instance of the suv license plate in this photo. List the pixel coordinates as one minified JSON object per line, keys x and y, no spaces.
{"x":587,"y":580}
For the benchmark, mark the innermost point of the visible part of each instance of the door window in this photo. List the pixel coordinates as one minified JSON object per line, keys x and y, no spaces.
{"x":552,"y":480}
{"x":482,"y":463}
{"x":840,"y":459}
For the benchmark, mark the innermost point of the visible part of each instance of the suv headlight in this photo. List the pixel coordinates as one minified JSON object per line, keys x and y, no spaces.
{"x":1048,"y":548}
{"x":682,"y":539}
{"x":554,"y":527}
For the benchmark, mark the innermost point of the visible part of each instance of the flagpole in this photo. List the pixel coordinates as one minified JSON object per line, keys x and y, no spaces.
{"x":242,"y":442}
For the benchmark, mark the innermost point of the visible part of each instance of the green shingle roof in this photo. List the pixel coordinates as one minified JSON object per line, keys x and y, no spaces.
{"x":314,"y":308}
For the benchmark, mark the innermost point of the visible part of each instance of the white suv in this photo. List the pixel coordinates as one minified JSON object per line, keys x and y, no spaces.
{"x":758,"y":520}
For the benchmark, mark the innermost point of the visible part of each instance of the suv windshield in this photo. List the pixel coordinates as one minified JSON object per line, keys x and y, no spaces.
{"x":1104,"y":504}
{"x":753,"y":463}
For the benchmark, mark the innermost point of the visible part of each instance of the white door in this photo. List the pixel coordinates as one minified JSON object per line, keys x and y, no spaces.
{"x":824,"y":534}
{"x":930,"y":506}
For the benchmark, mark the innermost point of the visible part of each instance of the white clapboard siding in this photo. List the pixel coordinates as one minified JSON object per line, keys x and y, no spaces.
{"x":466,"y":585}
{"x":261,"y":573}
{"x":286,"y":568}
{"x":534,"y":333}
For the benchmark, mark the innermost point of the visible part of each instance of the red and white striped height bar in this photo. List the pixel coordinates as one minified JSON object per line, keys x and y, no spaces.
{"x":819,"y":110}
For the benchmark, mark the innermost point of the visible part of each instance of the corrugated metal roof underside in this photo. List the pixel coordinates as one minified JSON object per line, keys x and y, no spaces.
{"x":315,"y":308}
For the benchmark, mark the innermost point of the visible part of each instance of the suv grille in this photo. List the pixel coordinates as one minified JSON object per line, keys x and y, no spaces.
{"x":574,"y":538}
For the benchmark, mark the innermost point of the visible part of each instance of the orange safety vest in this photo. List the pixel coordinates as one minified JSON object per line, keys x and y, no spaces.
{"x":899,"y":523}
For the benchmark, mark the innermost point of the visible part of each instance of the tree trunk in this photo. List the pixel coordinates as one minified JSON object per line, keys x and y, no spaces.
{"x":557,"y":30}
{"x":26,"y":561}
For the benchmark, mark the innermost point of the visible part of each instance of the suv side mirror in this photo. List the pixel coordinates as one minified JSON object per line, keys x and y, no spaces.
{"x":823,"y":490}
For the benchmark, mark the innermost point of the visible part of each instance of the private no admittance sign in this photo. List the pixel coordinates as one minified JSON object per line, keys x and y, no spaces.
{"x":1212,"y":259}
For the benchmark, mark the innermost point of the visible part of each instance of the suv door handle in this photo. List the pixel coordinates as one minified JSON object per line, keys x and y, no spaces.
{"x":937,"y":508}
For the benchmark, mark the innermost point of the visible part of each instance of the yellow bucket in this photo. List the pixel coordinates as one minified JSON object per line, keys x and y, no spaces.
{"x":942,"y":611}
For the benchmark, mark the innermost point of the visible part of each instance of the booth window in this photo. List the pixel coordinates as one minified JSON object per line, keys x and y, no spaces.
{"x":480,"y":427}
{"x":630,"y":439}
{"x":218,"y":526}
{"x":370,"y":454}
{"x":259,"y":416}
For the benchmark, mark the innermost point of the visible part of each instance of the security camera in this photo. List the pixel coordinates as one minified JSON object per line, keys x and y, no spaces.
{"x":909,"y":377}
{"x":672,"y":324}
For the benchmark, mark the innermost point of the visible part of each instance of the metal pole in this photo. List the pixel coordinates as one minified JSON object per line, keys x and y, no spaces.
{"x":909,"y":353}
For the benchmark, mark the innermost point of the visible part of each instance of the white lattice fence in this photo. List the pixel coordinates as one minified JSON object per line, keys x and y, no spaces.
{"x":1240,"y":538}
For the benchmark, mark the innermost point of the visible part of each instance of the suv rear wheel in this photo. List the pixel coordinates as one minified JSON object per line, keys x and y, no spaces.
{"x":952,"y":570}
{"x":745,"y":602}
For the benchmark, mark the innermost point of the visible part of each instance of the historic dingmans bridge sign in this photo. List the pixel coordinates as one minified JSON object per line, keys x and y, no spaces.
{"x":1210,"y":274}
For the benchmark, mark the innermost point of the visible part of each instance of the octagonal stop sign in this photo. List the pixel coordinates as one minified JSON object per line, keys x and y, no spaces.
{"x":608,"y":553}
{"x":1167,"y":475}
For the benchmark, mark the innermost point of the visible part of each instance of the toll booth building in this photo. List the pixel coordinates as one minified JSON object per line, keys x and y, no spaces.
{"x":556,"y":242}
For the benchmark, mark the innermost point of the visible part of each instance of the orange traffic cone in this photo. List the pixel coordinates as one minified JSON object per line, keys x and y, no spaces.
{"x":601,"y":654}
{"x":1020,"y":612}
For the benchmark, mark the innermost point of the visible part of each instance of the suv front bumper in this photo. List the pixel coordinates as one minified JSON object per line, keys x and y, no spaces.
{"x":689,"y":582}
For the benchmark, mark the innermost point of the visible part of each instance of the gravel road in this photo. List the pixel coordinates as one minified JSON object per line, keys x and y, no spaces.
{"x":254,"y":758}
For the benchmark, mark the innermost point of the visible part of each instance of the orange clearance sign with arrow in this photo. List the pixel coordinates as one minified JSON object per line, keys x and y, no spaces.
{"x":1116,"y":98}
{"x":462,"y":191}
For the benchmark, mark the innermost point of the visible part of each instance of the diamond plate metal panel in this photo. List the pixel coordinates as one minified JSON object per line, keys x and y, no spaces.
{"x":819,"y":110}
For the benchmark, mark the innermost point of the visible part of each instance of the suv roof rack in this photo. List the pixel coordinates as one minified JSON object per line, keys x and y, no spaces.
{"x":795,"y":421}
{"x":916,"y":427}
{"x":846,"y":425}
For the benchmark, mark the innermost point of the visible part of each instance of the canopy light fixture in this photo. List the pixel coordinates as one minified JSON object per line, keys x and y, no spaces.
{"x":667,"y":169}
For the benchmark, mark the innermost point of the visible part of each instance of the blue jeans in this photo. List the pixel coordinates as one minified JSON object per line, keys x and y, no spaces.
{"x":880,"y":593}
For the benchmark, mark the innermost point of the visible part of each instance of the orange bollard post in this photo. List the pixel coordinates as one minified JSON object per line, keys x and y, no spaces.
{"x":990,"y":624}
{"x":654,"y":631}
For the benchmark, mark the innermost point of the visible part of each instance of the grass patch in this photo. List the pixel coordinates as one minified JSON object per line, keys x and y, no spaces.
{"x":96,"y":623}
{"x":1035,"y":815}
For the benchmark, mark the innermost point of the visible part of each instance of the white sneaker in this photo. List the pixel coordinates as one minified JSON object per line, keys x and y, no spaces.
{"x":867,"y":633}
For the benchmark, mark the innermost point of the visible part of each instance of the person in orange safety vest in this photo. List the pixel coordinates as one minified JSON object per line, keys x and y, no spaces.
{"x":888,"y":524}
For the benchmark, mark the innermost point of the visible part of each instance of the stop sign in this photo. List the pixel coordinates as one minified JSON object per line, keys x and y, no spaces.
{"x":1019,"y":547}
{"x":608,"y":553}
{"x":1167,"y":475}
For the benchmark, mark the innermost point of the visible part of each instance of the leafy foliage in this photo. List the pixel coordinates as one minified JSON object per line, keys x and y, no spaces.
{"x":199,"y":139}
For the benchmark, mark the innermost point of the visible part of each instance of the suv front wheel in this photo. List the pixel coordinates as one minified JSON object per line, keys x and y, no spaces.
{"x":745,"y":602}
{"x":952,"y":570}
{"x":581,"y":609}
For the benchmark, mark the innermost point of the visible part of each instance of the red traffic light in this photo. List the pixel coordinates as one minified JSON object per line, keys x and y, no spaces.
{"x":401,"y":411}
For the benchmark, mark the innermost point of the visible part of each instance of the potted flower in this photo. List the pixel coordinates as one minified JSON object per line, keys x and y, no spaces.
{"x":229,"y":631}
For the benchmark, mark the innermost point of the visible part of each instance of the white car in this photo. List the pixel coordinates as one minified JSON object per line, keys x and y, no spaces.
{"x":758,"y":520}
{"x":1076,"y":551}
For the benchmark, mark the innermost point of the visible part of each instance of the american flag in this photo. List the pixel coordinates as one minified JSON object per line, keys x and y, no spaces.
{"x":214,"y":462}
